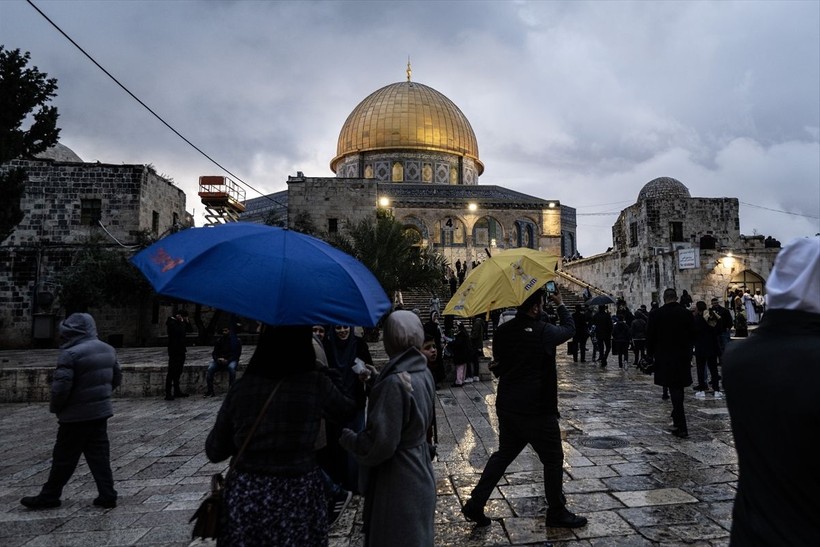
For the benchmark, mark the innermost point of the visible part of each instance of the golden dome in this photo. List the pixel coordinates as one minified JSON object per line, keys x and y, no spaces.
{"x":407,"y":116}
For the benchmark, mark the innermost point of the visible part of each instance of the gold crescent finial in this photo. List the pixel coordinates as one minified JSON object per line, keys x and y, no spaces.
{"x":409,"y":70}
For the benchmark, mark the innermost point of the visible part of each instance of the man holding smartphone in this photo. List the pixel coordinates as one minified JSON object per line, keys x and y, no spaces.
{"x":527,"y":406}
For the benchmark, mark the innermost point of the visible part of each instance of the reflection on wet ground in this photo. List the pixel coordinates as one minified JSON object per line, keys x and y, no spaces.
{"x":637,"y":484}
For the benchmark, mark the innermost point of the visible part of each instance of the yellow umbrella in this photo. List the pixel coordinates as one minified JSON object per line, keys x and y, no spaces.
{"x":504,"y":280}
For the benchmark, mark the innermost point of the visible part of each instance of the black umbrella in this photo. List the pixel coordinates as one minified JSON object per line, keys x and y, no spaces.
{"x":600,"y":300}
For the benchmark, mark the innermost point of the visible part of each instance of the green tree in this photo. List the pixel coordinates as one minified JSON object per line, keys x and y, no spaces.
{"x":24,"y":93}
{"x":100,"y":276}
{"x":392,"y":254}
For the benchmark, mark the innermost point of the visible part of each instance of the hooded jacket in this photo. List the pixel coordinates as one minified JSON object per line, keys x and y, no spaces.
{"x":86,"y":375}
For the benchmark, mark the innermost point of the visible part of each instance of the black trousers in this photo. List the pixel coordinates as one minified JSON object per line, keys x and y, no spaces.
{"x":175,"y":363}
{"x":604,"y":345}
{"x":581,"y":346}
{"x":89,"y":439}
{"x":515,"y":431}
{"x":678,"y":415}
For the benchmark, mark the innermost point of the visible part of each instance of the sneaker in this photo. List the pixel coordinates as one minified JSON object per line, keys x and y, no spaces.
{"x":107,"y":504}
{"x":340,"y":502}
{"x":476,"y":379}
{"x":564,"y":518}
{"x":719,"y":395}
{"x":700,"y":395}
{"x":475,"y":515}
{"x":39,"y":502}
{"x":681,"y":433}
{"x":468,"y":380}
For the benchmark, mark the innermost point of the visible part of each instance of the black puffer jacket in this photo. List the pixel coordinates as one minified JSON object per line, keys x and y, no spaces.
{"x":87,"y":373}
{"x":525,"y":350}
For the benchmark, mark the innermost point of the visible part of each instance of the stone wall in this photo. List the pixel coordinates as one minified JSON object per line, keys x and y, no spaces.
{"x":51,"y":233}
{"x":641,"y":280}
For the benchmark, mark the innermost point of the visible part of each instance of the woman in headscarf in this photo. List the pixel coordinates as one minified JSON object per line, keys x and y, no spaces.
{"x":397,"y":476}
{"x":275,"y":493}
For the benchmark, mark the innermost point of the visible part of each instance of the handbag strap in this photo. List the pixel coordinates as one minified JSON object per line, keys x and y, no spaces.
{"x":255,"y":425}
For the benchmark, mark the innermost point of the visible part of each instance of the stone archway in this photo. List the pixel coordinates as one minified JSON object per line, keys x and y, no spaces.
{"x":747,"y":279}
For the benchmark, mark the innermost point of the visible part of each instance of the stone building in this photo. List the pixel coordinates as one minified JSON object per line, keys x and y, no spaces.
{"x":668,"y":238}
{"x":69,"y":204}
{"x":409,"y":149}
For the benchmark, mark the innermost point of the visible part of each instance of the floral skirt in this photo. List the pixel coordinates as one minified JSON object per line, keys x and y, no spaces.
{"x":277,"y":511}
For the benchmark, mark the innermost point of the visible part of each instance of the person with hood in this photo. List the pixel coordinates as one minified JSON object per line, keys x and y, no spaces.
{"x":397,"y":475}
{"x":86,"y":375}
{"x":527,"y":407}
{"x":772,"y":384}
{"x":462,"y":350}
{"x":275,"y":494}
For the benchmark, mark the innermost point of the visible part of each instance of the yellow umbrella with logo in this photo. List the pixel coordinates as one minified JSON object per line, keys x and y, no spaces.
{"x":504,"y":280}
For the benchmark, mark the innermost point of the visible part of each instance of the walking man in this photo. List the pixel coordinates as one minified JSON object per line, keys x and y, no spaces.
{"x":527,"y":407}
{"x":177,"y":327}
{"x":87,"y":372}
{"x":581,"y":333}
{"x":670,"y":335}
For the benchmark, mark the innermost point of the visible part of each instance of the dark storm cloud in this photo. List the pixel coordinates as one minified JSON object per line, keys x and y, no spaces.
{"x":579,"y":101}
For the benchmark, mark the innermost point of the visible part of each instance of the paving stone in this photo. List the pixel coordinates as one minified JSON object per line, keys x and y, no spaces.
{"x":656,"y":489}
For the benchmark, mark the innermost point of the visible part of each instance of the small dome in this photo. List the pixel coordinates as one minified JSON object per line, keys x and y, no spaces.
{"x":60,"y":152}
{"x":664,"y":188}
{"x":407,"y":116}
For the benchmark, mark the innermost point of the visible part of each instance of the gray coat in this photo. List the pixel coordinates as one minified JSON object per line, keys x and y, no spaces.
{"x":397,"y":476}
{"x":87,"y":373}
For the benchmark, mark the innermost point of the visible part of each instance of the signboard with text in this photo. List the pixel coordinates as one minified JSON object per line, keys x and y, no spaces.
{"x":688,"y":259}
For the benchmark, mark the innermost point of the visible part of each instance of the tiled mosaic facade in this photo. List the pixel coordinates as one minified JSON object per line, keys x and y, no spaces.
{"x":409,"y":166}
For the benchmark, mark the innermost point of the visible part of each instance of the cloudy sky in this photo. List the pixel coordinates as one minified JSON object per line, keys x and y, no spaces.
{"x":583,"y":102}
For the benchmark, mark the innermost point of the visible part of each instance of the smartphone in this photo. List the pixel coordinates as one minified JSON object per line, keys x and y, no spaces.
{"x":550,"y":286}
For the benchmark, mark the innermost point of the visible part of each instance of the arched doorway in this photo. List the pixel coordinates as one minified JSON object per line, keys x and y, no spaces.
{"x":747,"y":279}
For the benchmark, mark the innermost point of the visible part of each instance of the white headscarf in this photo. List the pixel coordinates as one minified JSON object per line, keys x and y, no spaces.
{"x":794,"y":283}
{"x":402,"y":330}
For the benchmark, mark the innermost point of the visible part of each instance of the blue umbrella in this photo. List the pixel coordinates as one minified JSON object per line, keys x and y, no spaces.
{"x":273,"y":275}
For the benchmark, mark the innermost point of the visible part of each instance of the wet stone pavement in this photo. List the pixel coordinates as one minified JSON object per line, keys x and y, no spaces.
{"x":637,"y":484}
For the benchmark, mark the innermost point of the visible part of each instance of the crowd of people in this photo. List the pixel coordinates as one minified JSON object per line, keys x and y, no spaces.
{"x":298,"y":411}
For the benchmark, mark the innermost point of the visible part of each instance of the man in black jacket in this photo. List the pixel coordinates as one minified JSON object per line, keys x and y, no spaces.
{"x":581,"y":333}
{"x":603,"y":333}
{"x":725,"y":334}
{"x":670,"y":336}
{"x":527,"y":407}
{"x":177,"y":328}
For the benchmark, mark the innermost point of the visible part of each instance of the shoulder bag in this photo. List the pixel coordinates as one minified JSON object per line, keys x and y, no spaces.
{"x":208,"y":517}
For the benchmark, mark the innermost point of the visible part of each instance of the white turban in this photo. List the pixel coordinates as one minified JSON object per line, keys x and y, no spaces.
{"x":402,"y":330}
{"x":794,"y":283}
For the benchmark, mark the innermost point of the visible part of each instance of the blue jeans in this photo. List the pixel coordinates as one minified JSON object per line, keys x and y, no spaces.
{"x":214,"y":366}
